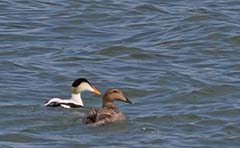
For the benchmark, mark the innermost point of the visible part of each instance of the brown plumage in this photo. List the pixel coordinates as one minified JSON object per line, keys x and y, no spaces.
{"x":109,"y":112}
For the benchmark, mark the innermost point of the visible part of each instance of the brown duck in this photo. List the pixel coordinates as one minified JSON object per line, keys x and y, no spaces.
{"x":109,"y":112}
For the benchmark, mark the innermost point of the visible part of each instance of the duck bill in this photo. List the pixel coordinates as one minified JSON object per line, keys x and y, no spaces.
{"x":128,"y":101}
{"x":95,"y":90}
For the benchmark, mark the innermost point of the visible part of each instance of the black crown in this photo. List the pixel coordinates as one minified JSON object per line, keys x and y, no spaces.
{"x":77,"y":82}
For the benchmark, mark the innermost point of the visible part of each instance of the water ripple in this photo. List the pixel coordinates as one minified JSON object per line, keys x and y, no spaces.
{"x":178,"y":61}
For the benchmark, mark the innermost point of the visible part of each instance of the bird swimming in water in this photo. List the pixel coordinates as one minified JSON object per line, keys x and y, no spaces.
{"x":78,"y":86}
{"x":109,"y":112}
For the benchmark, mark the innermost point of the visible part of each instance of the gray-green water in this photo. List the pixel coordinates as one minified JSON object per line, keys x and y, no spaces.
{"x":179,"y":61}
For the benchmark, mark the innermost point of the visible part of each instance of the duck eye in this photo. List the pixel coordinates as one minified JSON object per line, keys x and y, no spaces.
{"x":115,"y":91}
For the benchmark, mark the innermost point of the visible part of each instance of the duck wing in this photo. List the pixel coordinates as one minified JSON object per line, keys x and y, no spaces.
{"x":56,"y":102}
{"x":91,"y":116}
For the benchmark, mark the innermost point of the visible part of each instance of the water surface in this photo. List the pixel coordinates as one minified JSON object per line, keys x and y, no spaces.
{"x":177,"y":60}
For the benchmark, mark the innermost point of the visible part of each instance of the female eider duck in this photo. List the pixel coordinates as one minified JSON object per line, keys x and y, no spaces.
{"x":75,"y":101}
{"x":109,"y":112}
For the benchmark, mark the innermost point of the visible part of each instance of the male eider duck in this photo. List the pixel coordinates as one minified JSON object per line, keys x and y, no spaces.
{"x":75,"y":101}
{"x":109,"y":112}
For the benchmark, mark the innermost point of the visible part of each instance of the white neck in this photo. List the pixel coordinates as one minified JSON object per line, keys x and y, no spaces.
{"x":77,"y":98}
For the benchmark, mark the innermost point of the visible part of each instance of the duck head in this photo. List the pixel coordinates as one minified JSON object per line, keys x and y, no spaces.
{"x":114,"y":94}
{"x":81,"y":84}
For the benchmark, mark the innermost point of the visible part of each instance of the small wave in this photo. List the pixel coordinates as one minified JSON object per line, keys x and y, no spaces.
{"x":232,"y":129}
{"x":118,"y":51}
{"x":149,"y":8}
{"x":166,"y":119}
